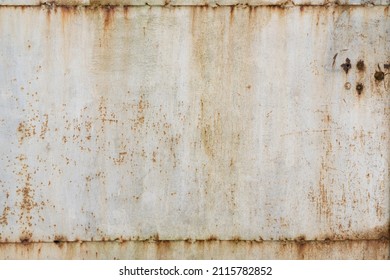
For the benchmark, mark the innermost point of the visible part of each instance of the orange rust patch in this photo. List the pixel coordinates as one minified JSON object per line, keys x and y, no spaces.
{"x":25,"y":130}
{"x":4,"y":216}
{"x":44,"y":126}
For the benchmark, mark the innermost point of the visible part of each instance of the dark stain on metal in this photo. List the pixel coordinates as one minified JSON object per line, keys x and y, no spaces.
{"x":25,"y":239}
{"x":347,"y":65}
{"x":359,"y":88}
{"x":360,"y":65}
{"x":212,"y":238}
{"x":59,"y":240}
{"x":334,"y":59}
{"x":379,"y":75}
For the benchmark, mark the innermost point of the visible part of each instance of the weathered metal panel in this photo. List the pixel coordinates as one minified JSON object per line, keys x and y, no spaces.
{"x":358,"y":249}
{"x":212,"y":3}
{"x":194,"y":123}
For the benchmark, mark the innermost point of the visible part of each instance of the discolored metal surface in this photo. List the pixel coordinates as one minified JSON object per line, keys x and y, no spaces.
{"x":194,"y":123}
{"x":211,"y":3}
{"x":244,"y":250}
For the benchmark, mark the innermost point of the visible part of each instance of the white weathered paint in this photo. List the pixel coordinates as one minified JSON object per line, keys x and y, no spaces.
{"x":193,"y":123}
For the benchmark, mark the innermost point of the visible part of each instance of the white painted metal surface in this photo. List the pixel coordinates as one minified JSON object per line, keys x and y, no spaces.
{"x":139,"y":123}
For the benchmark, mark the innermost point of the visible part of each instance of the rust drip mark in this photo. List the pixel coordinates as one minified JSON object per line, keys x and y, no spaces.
{"x":109,"y":12}
{"x":359,"y":88}
{"x":26,"y":239}
{"x":347,"y":65}
{"x":212,"y":238}
{"x":231,"y":14}
{"x":360,"y":65}
{"x":324,"y":199}
{"x":126,"y":12}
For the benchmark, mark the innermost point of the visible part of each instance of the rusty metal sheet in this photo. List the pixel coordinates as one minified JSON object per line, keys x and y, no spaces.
{"x":243,"y":250}
{"x":194,"y":123}
{"x":212,"y":3}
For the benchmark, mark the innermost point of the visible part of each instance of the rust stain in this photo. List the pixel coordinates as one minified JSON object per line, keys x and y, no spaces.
{"x":359,"y":88}
{"x":60,"y":240}
{"x":359,"y":249}
{"x":44,"y":126}
{"x":231,"y":17}
{"x":120,"y":159}
{"x":66,"y":13}
{"x":25,"y":130}
{"x":109,"y":13}
{"x":379,"y":75}
{"x":4,"y":216}
{"x":347,"y":65}
{"x":360,"y":65}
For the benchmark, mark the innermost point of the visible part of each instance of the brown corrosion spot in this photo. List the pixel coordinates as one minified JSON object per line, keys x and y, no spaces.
{"x":300,"y":239}
{"x":359,"y":88}
{"x":155,"y":238}
{"x":212,"y":238}
{"x":347,"y":65}
{"x":360,"y":65}
{"x":379,"y":75}
{"x":25,"y":130}
{"x":26,"y":238}
{"x":66,"y":13}
{"x":59,"y":240}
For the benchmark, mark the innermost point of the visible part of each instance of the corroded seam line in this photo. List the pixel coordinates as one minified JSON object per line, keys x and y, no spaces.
{"x":286,"y":5}
{"x":384,"y":240}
